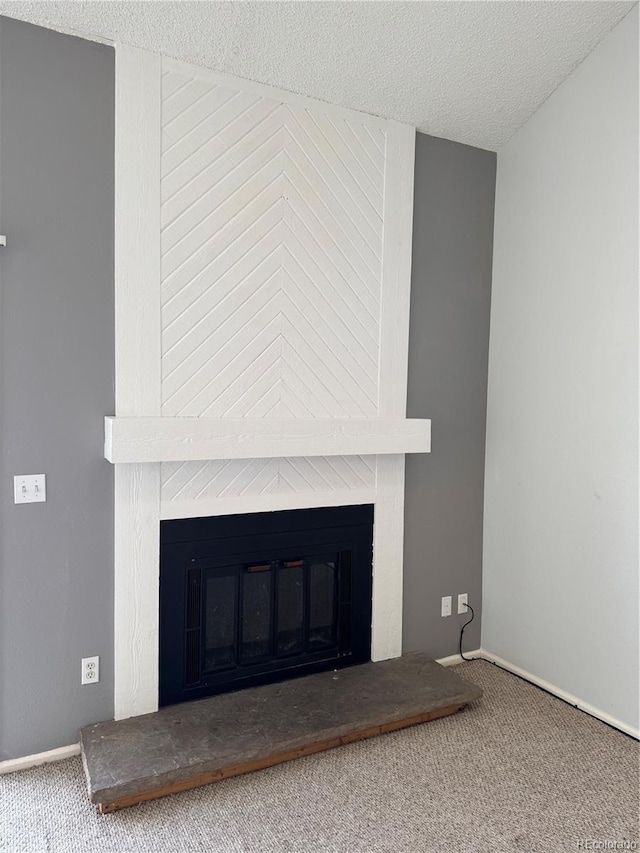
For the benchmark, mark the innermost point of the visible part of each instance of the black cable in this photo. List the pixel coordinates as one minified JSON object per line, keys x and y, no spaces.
{"x":528,"y":681}
{"x":469,"y":607}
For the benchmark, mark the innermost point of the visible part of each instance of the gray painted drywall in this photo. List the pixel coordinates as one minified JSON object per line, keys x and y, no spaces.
{"x":56,"y":383}
{"x":448,"y":352}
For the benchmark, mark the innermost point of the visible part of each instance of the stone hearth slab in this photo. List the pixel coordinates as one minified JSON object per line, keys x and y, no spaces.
{"x":195,"y":743}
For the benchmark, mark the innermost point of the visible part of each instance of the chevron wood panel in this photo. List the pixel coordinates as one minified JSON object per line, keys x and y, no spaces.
{"x":271,"y":267}
{"x":193,"y":481}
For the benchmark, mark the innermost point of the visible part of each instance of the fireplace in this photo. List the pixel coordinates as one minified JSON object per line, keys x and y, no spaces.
{"x":255,"y":598}
{"x":261,"y":349}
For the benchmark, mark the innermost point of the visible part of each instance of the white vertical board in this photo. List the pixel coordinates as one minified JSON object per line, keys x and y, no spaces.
{"x":138,"y":348}
{"x":388,"y":533}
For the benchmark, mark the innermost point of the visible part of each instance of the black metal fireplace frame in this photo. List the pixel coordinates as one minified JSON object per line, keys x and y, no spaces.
{"x":196,"y":544}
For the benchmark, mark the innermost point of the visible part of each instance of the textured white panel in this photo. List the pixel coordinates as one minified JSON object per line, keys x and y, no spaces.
{"x":238,"y":477}
{"x":271,"y":268}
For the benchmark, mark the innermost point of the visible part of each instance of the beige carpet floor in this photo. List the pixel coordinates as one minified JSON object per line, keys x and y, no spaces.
{"x":517,"y":770}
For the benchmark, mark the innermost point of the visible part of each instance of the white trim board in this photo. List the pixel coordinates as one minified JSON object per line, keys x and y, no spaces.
{"x":454,"y":660}
{"x":569,"y":698}
{"x":12,"y":765}
{"x":393,"y":365}
{"x":138,"y":354}
{"x":198,"y":439}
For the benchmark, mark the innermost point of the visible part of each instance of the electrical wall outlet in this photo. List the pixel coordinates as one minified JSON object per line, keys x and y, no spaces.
{"x":446,"y":606}
{"x":90,"y":670}
{"x":462,"y":602}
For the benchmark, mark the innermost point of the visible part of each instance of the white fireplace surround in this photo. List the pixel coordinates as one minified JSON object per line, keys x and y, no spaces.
{"x":263,"y":259}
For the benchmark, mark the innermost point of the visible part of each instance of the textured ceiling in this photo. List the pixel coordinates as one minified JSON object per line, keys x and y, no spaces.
{"x":469,"y":71}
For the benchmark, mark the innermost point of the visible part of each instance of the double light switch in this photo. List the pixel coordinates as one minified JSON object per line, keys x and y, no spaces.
{"x":29,"y":488}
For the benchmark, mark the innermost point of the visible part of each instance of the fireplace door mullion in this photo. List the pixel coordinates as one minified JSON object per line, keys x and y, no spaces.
{"x":194,"y":640}
{"x":290,"y":609}
{"x":212,"y":601}
{"x":317,"y":605}
{"x":275,"y":591}
{"x":239,"y":611}
{"x":336,"y":600}
{"x":306,"y":605}
{"x":344,"y":601}
{"x":257,"y":613}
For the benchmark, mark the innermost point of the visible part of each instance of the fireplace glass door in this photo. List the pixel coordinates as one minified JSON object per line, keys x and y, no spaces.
{"x":283,"y":595}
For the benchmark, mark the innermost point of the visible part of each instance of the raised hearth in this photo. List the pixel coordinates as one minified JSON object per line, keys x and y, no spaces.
{"x":196,"y":743}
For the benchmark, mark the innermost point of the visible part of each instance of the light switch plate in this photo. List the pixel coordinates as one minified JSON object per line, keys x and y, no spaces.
{"x":29,"y":488}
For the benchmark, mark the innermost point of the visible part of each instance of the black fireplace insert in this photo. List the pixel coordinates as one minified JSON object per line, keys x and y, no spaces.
{"x":251,"y":599}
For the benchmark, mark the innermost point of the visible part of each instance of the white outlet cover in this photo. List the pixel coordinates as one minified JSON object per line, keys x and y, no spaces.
{"x":90,"y":670}
{"x":29,"y":488}
{"x":446,"y":605}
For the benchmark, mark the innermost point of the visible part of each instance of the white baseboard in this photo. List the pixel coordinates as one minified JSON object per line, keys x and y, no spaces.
{"x":14,"y":764}
{"x":452,"y":660}
{"x":557,"y":691}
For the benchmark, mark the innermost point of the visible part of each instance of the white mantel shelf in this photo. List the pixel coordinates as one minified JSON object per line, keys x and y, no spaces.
{"x":198,"y":439}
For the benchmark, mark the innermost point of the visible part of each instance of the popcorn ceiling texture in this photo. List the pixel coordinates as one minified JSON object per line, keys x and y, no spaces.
{"x":472,"y":72}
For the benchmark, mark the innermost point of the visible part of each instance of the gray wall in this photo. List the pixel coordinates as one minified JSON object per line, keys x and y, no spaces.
{"x":56,"y":383}
{"x":448,"y":351}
